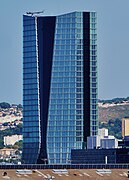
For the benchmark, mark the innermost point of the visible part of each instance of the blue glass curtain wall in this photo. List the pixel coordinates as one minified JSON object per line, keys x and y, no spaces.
{"x":31,"y":125}
{"x":65,"y":120}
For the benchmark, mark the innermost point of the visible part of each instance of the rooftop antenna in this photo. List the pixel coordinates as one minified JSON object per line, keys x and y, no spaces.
{"x":35,"y":13}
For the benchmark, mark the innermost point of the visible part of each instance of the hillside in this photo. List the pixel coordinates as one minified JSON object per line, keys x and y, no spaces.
{"x":113,"y":112}
{"x":108,"y":109}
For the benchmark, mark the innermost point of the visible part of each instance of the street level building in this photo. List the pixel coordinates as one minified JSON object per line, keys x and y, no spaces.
{"x":100,"y":156}
{"x":59,"y":85}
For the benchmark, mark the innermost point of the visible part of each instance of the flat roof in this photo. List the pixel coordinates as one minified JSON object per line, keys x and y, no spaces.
{"x":74,"y":174}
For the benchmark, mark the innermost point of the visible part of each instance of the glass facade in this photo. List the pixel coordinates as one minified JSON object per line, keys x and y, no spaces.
{"x":69,"y":95}
{"x":31,"y":123}
{"x":65,"y":125}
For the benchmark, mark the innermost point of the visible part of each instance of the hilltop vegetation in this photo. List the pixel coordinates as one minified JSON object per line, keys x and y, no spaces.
{"x":5,"y":105}
{"x":114,"y":100}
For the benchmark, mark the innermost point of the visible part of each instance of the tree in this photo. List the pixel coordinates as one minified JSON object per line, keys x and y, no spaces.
{"x":19,"y":144}
{"x":19,"y":106}
{"x":1,"y":143}
{"x":4,"y":105}
{"x":114,"y":127}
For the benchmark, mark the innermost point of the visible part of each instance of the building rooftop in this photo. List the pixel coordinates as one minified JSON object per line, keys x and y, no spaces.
{"x":74,"y":174}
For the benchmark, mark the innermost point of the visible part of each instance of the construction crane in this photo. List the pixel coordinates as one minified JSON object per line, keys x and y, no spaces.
{"x":34,"y":13}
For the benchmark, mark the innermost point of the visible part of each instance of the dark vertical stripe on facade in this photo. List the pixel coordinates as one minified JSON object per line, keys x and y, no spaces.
{"x":86,"y":73}
{"x":46,"y":31}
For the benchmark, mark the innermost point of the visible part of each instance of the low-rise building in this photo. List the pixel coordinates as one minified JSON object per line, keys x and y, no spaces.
{"x":109,"y":142}
{"x":100,"y":156}
{"x":7,"y":152}
{"x":102,"y":140}
{"x":11,"y":140}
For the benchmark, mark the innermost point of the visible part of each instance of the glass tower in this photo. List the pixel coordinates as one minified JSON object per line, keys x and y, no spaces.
{"x":59,"y":85}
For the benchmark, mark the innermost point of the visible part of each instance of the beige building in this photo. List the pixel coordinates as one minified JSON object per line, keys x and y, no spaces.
{"x":11,"y":140}
{"x":7,"y":152}
{"x":125,"y":127}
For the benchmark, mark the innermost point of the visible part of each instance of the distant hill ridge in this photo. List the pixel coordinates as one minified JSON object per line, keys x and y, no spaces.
{"x":108,"y":109}
{"x":114,"y":100}
{"x":112,"y":109}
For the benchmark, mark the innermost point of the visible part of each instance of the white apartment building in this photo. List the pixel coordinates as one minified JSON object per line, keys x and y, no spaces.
{"x":11,"y":140}
{"x":102,"y":140}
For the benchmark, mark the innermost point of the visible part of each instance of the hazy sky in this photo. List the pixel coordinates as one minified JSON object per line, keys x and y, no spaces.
{"x":113,"y":43}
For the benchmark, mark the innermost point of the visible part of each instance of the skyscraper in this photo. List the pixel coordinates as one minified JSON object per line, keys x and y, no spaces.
{"x":59,"y":85}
